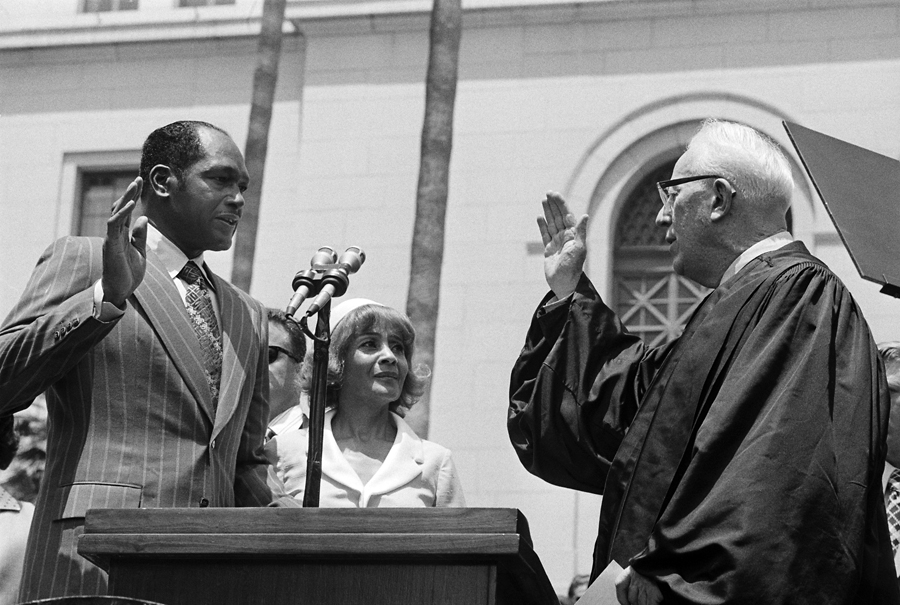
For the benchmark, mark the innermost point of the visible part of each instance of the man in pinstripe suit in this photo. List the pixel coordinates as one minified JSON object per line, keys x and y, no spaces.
{"x":145,"y":409}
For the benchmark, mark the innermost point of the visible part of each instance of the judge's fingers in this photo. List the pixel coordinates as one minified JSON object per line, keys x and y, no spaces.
{"x":556,"y":212}
{"x":581,"y":228}
{"x":545,"y":231}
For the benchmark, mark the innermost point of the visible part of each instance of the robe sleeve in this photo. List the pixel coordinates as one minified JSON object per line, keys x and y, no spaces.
{"x":575,"y":389}
{"x":779,"y":497}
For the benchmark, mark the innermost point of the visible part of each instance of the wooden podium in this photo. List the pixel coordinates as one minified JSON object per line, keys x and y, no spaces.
{"x":318,"y":556}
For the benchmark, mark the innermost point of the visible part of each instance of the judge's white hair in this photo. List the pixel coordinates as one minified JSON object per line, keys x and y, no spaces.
{"x":751,"y":161}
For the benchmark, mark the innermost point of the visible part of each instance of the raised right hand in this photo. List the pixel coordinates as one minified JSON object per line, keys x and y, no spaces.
{"x":564,"y":245}
{"x":124,"y":249}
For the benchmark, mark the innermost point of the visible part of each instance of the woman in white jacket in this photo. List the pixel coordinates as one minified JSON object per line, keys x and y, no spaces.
{"x":370,"y":456}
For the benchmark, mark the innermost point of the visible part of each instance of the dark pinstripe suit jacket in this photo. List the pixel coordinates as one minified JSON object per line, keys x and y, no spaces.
{"x":131,"y":419}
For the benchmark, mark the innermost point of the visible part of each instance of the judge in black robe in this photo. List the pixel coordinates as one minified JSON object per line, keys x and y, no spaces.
{"x":740,"y":463}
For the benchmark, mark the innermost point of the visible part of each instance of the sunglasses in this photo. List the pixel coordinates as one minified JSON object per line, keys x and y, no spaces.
{"x":275,"y":351}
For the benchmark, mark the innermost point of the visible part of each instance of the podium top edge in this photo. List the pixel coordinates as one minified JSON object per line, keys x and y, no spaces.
{"x":276,"y":520}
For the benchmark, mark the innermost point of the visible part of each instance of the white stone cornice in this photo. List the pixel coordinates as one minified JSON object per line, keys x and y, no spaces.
{"x":312,"y":17}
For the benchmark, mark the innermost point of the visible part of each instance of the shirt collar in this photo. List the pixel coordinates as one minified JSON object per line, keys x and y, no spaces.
{"x":7,"y":502}
{"x":773,"y":242}
{"x":888,"y":469}
{"x":291,"y":419}
{"x":171,"y":256}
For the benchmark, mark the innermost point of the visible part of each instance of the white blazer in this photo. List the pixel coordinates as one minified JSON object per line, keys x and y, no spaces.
{"x":416,"y":472}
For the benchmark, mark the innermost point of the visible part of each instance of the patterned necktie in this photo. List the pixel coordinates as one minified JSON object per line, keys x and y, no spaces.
{"x":203,"y":319}
{"x":892,"y":505}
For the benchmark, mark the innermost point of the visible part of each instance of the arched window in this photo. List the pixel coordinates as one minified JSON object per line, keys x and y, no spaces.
{"x":649,"y":298}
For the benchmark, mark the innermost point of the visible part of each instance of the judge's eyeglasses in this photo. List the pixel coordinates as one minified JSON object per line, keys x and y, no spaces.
{"x":663,"y":186}
{"x":275,"y":351}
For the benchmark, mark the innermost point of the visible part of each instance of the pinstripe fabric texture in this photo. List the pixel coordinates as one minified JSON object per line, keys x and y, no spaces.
{"x":131,"y":416}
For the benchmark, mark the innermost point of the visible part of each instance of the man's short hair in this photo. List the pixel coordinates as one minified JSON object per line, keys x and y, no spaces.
{"x":295,"y":332}
{"x":176,"y":145}
{"x":754,"y":163}
{"x":890,"y":355}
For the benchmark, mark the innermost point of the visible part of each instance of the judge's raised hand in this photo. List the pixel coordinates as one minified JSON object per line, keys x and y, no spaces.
{"x":564,"y":245}
{"x":634,"y":589}
{"x":124,"y":249}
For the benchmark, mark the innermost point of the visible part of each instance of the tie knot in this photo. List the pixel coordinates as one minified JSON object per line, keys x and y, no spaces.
{"x":191,"y":273}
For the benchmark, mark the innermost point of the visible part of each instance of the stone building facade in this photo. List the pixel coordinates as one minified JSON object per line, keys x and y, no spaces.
{"x":592,"y":98}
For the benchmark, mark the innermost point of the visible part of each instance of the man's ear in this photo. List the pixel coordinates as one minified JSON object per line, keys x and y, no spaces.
{"x":162,"y":180}
{"x":723,"y":200}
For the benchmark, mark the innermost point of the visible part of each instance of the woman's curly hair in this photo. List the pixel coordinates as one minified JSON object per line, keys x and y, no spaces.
{"x":368,"y":318}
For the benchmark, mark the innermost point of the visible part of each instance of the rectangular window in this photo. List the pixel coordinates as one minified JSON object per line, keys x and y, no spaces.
{"x":103,"y":6}
{"x":187,"y":3}
{"x":99,"y":190}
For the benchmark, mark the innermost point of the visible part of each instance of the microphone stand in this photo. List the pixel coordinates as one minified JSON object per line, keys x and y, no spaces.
{"x":324,"y":272}
{"x":321,"y":342}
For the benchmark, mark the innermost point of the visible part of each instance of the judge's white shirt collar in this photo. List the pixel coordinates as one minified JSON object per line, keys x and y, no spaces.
{"x":773,"y":242}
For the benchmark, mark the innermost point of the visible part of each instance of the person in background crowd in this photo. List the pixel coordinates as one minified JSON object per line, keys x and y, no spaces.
{"x":739,"y":463}
{"x":288,"y":408}
{"x":576,"y":588}
{"x":154,"y":367}
{"x":371,"y":457}
{"x":890,"y":479}
{"x":15,"y":520}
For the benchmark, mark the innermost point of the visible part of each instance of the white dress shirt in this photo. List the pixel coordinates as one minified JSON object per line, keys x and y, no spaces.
{"x":292,"y":419}
{"x":174,"y":260}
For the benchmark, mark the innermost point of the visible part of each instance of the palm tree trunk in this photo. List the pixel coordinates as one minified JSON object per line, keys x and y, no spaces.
{"x":423,"y":297}
{"x":264,"y":80}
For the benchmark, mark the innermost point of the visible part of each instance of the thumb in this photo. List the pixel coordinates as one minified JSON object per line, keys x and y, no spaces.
{"x":581,"y":228}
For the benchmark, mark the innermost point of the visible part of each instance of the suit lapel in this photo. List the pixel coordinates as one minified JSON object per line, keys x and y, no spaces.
{"x":402,"y":465}
{"x":237,"y":344}
{"x":338,"y":468}
{"x":165,"y":311}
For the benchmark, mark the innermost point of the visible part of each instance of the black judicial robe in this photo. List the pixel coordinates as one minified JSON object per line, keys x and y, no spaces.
{"x":740,"y":463}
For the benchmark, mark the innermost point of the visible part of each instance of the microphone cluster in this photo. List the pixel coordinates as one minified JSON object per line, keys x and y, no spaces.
{"x":327,"y":277}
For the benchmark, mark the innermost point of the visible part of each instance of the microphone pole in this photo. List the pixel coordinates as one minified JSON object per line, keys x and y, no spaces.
{"x":321,"y":343}
{"x":332,"y":282}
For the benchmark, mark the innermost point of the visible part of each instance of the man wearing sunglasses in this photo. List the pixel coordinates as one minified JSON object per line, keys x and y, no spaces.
{"x":287,"y":347}
{"x":740,"y":463}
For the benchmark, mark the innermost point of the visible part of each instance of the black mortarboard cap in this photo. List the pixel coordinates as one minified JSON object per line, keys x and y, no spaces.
{"x":861,"y":192}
